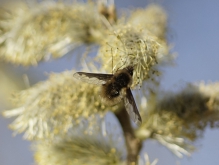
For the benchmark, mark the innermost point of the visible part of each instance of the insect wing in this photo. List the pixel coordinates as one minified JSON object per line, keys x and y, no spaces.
{"x":131,"y":107}
{"x":93,"y":78}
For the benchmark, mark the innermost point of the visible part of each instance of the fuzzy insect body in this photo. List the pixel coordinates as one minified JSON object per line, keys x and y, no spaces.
{"x":115,"y":88}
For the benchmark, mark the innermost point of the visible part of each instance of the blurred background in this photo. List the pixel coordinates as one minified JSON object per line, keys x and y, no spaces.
{"x":194,"y":33}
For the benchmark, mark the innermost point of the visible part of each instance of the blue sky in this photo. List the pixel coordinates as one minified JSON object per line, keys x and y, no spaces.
{"x":194,"y":27}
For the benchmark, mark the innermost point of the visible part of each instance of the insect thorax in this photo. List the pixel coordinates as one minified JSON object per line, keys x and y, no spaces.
{"x":119,"y":81}
{"x":123,"y":79}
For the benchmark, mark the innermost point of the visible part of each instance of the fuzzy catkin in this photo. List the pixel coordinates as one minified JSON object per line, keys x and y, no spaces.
{"x":30,"y":35}
{"x":54,"y":106}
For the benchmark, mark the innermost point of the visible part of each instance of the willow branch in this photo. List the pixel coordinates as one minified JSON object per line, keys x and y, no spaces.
{"x":133,"y":144}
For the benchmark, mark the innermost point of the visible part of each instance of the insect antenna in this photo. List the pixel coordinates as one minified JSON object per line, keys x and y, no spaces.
{"x":112,"y":59}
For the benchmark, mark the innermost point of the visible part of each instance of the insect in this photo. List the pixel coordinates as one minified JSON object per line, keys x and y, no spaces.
{"x":115,"y":88}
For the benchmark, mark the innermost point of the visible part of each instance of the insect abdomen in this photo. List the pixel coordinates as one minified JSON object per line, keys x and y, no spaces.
{"x":113,"y":90}
{"x":111,"y":93}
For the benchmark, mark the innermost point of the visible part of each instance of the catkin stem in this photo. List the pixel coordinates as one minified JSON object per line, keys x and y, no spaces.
{"x":133,"y":144}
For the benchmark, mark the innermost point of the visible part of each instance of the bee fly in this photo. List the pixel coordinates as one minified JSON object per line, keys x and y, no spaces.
{"x":115,"y":88}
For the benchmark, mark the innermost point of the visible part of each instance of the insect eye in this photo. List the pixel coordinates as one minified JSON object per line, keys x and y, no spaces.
{"x":130,"y":70}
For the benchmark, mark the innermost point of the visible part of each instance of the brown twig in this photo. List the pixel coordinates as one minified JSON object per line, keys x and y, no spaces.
{"x":133,"y":144}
